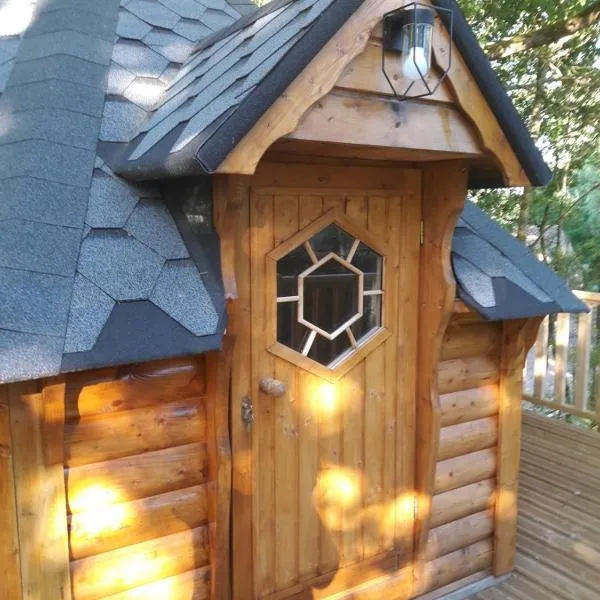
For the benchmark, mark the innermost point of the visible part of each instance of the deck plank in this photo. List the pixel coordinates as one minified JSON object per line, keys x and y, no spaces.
{"x":558,"y":547}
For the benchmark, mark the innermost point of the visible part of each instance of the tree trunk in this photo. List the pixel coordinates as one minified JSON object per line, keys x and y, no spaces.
{"x":535,"y":128}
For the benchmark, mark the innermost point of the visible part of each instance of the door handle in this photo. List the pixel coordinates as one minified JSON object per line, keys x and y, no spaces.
{"x":272,"y":387}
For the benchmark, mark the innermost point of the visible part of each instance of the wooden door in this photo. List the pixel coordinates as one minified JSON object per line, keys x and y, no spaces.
{"x":334,"y":453}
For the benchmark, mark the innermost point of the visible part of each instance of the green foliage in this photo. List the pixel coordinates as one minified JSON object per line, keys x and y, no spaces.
{"x":556,"y":89}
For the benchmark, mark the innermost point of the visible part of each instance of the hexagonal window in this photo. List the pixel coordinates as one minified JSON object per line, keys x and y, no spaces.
{"x":329,"y":296}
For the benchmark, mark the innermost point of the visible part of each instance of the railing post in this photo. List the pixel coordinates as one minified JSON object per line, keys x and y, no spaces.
{"x":562,"y":353}
{"x":541,"y":360}
{"x":582,"y":367}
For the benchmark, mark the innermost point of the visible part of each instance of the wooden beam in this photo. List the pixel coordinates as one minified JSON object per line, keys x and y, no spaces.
{"x":470,"y":99}
{"x":517,"y":338}
{"x":10,"y":568}
{"x":445,"y":188}
{"x":239,"y":326}
{"x":41,"y":501}
{"x":366,"y":120}
{"x":219,"y":507}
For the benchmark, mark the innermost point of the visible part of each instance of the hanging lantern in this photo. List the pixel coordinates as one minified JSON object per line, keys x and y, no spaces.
{"x":409,"y":32}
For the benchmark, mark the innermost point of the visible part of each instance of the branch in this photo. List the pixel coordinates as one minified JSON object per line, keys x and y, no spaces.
{"x":563,"y":213}
{"x":545,"y":35}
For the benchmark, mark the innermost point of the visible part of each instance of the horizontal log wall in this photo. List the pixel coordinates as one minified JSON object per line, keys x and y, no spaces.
{"x":137,"y":480}
{"x":460,"y":543}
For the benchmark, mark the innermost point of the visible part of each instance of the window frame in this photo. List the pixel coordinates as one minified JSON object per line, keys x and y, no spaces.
{"x":359,"y":349}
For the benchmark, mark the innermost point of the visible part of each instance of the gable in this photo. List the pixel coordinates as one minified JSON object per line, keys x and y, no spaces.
{"x":316,"y":46}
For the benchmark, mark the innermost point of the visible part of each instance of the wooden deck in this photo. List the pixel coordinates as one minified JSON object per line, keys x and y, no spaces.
{"x":559,"y":524}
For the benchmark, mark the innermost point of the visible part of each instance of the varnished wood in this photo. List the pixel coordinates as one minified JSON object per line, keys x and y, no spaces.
{"x":364,"y":74}
{"x":10,"y":568}
{"x":40,"y":495}
{"x":138,"y":565}
{"x":463,"y":438}
{"x":459,"y":534}
{"x":140,"y":476}
{"x":464,"y":470}
{"x":127,"y":433}
{"x":315,"y":81}
{"x":462,"y":502}
{"x":470,"y":98}
{"x":353,"y":119}
{"x":192,"y":584}
{"x":463,"y":374}
{"x":351,"y":442}
{"x":456,"y":565}
{"x":478,"y":339}
{"x":515,"y":344}
{"x":219,"y":467}
{"x":469,"y":405}
{"x":444,"y":197}
{"x":132,"y":386}
{"x":334,"y":65}
{"x":138,"y":521}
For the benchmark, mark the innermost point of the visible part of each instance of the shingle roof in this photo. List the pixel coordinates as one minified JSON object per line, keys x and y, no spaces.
{"x":499,"y":277}
{"x":95,"y":270}
{"x":228,"y":81}
{"x":232,"y":78}
{"x":86,"y":259}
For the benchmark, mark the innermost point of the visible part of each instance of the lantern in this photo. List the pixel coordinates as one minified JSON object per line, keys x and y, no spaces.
{"x":409,"y":32}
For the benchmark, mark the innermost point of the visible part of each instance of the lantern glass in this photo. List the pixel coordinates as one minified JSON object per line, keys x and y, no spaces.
{"x":416,"y":49}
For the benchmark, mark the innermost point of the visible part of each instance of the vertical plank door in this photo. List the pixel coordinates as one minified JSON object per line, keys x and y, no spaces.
{"x":333,"y":455}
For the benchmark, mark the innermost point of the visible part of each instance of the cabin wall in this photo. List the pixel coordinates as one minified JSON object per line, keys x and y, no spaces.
{"x":461,"y":543}
{"x":114,"y":484}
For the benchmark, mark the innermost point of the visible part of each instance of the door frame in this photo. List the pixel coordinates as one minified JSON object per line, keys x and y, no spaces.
{"x":444,"y":193}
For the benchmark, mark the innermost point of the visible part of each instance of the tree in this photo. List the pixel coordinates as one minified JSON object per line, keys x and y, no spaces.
{"x":547,"y":55}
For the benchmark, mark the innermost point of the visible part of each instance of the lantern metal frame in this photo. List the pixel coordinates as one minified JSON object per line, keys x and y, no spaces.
{"x":389,"y":22}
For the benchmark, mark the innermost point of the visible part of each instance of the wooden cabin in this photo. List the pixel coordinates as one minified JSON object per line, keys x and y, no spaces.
{"x":254,"y":341}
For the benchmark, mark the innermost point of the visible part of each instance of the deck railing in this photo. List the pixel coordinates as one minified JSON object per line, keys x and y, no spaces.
{"x":566,"y":365}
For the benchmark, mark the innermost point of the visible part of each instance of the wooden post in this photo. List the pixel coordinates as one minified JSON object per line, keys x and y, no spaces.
{"x":234,"y":192}
{"x":445,"y":187}
{"x":541,"y":360}
{"x":40,"y":494}
{"x":517,"y":337}
{"x":10,"y":569}
{"x":562,"y":353}
{"x":217,"y":417}
{"x":582,"y":369}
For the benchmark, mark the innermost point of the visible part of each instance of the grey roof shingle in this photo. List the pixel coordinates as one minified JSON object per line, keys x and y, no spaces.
{"x":90,"y":309}
{"x":150,"y":217}
{"x":39,"y":247}
{"x":218,"y":77}
{"x":119,"y":265}
{"x":34,"y":302}
{"x":500,"y":277}
{"x":181,"y":293}
{"x":110,"y":202}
